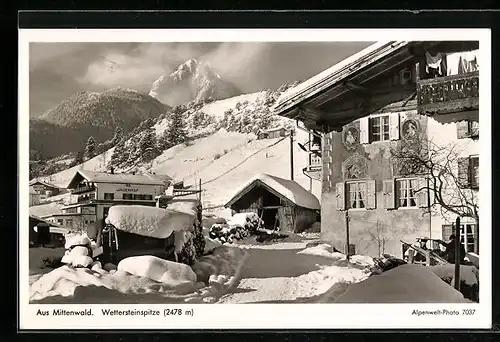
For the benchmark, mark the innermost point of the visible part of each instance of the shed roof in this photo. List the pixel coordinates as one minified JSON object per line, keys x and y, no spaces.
{"x":119,"y":178}
{"x":284,"y":188}
{"x":37,"y":220}
{"x":37,"y":181}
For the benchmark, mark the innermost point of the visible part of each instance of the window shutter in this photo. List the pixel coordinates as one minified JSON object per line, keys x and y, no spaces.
{"x":340,"y":196}
{"x":394,"y":126}
{"x":423,"y":199}
{"x":474,"y":129}
{"x":388,"y":191}
{"x":446,"y":231}
{"x":463,"y":171}
{"x":371,"y":195}
{"x":363,"y":131}
{"x":463,"y":129}
{"x":473,"y":166}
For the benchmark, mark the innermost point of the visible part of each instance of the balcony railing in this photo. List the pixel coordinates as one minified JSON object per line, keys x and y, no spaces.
{"x":448,"y":94}
{"x":82,"y":189}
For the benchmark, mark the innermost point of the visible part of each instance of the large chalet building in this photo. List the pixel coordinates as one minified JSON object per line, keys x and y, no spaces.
{"x":390,"y":96}
{"x":93,"y":193}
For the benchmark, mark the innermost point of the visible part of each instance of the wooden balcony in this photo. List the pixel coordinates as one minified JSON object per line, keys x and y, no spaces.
{"x":454,"y":93}
{"x":83,"y":189}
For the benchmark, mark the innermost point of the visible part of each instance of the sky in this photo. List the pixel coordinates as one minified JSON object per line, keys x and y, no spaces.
{"x":59,"y":70}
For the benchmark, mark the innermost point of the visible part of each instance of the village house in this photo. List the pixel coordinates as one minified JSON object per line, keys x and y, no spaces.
{"x":93,"y":193}
{"x":39,"y":191}
{"x":281,"y":203}
{"x":272,"y":133}
{"x":392,"y":96}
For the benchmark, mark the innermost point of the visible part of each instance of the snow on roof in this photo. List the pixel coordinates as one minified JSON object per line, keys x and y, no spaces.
{"x":44,"y":210}
{"x":286,"y":188}
{"x":41,"y":220}
{"x":335,"y":73}
{"x":120,"y":178}
{"x":150,"y":221}
{"x":37,"y":181}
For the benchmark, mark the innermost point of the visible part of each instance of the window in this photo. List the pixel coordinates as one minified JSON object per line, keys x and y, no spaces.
{"x":128,"y":196}
{"x":69,"y":223}
{"x":356,"y":194}
{"x":60,"y":221}
{"x":467,"y":129}
{"x":109,"y":196}
{"x":406,"y":192}
{"x":379,"y":128}
{"x":467,"y":236}
{"x":128,"y":185}
{"x":148,"y":197}
{"x":468,"y":172}
{"x":138,"y":197}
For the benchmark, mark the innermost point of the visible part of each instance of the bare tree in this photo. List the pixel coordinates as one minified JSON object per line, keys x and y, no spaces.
{"x":450,"y":192}
{"x":379,"y":236}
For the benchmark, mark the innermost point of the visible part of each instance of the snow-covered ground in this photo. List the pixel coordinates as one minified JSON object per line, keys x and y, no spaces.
{"x":132,"y":282}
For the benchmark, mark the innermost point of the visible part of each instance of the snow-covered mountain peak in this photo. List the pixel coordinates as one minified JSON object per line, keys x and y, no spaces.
{"x":193,"y":80}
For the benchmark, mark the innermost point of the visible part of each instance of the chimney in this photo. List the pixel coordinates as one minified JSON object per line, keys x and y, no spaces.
{"x":112,"y":170}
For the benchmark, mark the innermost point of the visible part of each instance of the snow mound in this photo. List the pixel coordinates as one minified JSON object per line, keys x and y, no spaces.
{"x":324,"y":250}
{"x":224,"y":260}
{"x":149,"y":221}
{"x":74,"y":239}
{"x":82,"y":285}
{"x":468,"y":274}
{"x":157,"y":269}
{"x":403,"y":284}
{"x":210,"y":244}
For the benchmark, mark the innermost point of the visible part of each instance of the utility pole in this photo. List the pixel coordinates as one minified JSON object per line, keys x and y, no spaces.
{"x":347,"y":243}
{"x":291,"y":154}
{"x":457,"y":254}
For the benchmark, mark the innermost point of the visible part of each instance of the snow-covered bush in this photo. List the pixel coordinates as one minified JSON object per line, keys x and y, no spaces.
{"x":158,"y":269}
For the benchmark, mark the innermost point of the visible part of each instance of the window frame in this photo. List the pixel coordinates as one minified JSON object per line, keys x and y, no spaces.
{"x":107,"y":195}
{"x":398,"y":197}
{"x":381,"y":134}
{"x":348,"y":194}
{"x":473,"y":178}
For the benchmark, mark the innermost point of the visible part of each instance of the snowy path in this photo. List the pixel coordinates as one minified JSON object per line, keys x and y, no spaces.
{"x":280,"y":275}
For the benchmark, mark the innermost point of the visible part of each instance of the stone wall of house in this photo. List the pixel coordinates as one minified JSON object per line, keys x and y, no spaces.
{"x":351,"y":156}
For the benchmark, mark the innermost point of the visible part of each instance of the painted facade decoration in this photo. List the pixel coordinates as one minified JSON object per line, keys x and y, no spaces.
{"x":350,"y":137}
{"x":355,"y":167}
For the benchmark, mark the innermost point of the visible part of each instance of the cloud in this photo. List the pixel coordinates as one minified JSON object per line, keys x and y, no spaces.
{"x":58,"y":70}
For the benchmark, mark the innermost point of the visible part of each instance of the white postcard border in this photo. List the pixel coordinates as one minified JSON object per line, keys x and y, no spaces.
{"x":261,"y":316}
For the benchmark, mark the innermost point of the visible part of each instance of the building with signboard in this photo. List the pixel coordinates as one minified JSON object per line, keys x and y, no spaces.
{"x":93,"y":193}
{"x":392,"y":96}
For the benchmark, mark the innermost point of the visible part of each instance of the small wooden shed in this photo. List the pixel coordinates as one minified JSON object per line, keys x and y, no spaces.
{"x":281,"y":203}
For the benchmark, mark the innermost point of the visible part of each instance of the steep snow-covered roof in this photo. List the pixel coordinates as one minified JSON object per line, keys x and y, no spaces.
{"x":285,"y":188}
{"x":39,"y":220}
{"x":151,"y":221}
{"x":120,"y":178}
{"x":335,"y":74}
{"x":47,"y":209}
{"x":37,"y":181}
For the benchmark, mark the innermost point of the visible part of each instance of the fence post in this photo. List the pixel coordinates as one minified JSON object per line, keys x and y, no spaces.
{"x":457,"y":254}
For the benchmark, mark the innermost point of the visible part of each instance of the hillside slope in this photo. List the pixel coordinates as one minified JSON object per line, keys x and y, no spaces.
{"x":90,"y":114}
